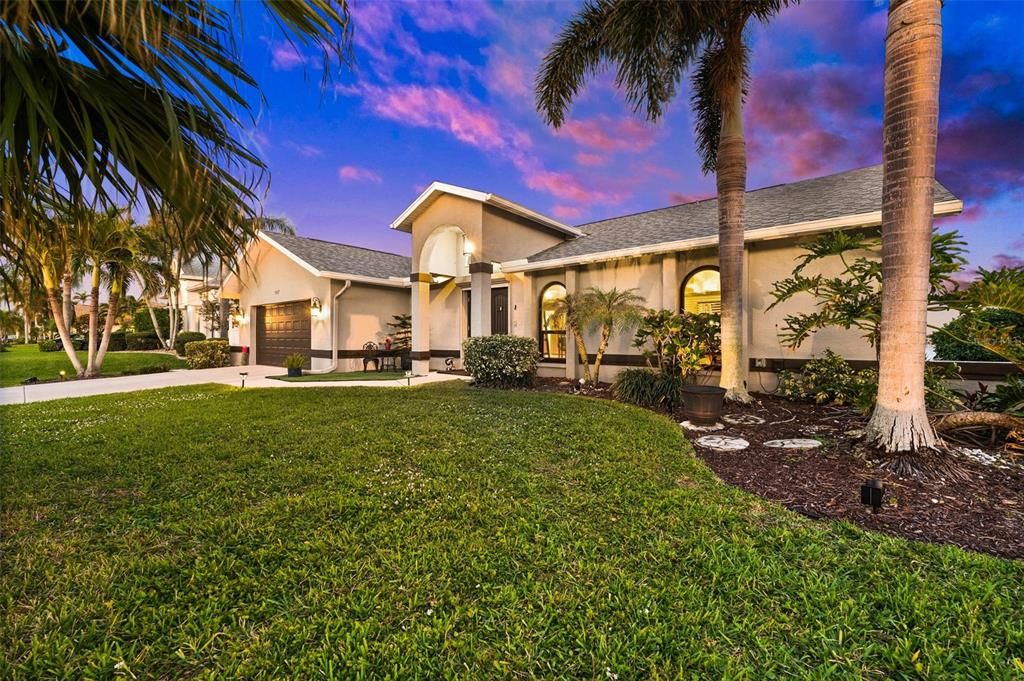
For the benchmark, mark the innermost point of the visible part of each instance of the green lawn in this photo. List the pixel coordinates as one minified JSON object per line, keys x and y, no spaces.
{"x":446,"y":531}
{"x":343,"y":376}
{"x":24,"y":361}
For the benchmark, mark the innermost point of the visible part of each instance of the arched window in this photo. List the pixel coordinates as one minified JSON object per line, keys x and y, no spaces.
{"x":552,"y":322}
{"x":701,"y":291}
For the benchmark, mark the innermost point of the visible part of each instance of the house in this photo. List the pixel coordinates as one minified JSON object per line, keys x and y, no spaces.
{"x":321,"y":299}
{"x":482,"y":264}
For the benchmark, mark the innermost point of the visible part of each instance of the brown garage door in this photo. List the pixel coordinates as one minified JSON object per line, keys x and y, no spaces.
{"x":281,"y":330}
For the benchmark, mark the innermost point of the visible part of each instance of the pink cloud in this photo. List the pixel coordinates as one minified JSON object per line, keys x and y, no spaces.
{"x":568,"y":187}
{"x":286,"y":56}
{"x":1004,"y":260}
{"x":357,"y":174}
{"x":564,"y":212}
{"x":587,"y":159}
{"x":306,"y":150}
{"x":508,"y":76}
{"x":464,"y":17}
{"x":680,"y":197}
{"x":607,"y":134}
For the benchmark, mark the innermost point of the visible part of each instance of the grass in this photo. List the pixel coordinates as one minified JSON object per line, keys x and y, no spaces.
{"x":25,"y":361}
{"x":343,"y":376}
{"x":216,"y":532}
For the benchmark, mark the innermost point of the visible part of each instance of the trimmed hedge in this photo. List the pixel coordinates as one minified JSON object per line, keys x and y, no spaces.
{"x":207,"y":354}
{"x":501,"y":361}
{"x":142,"y":341}
{"x":118,"y":341}
{"x":47,"y":345}
{"x":184,"y":337}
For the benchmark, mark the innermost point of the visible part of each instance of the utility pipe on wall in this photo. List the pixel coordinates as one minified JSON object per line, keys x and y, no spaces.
{"x":334,"y":332}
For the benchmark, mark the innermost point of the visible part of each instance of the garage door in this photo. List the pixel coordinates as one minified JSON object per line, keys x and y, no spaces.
{"x":281,"y":330}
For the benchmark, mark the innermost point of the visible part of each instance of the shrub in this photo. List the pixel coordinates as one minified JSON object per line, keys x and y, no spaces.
{"x":47,"y":345}
{"x":831,"y":379}
{"x":141,"y":341}
{"x":143,"y":323}
{"x":294,"y":361}
{"x":207,"y":354}
{"x":1007,"y":398}
{"x":118,"y":341}
{"x":953,"y":341}
{"x":501,"y":361}
{"x":184,"y":337}
{"x":679,"y":343}
{"x":647,"y":388}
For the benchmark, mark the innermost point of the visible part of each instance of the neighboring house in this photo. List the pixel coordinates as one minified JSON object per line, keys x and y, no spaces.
{"x":485,"y":265}
{"x":198,"y":282}
{"x":321,"y":299}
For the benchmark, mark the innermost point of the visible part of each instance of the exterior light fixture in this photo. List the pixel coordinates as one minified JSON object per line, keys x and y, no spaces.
{"x":871,"y":494}
{"x":408,"y":378}
{"x":243,"y":374}
{"x":467,"y":247}
{"x":63,"y":374}
{"x":316,"y":308}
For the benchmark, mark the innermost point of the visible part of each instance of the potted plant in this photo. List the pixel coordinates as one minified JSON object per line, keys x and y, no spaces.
{"x":293,"y":363}
{"x":696,"y":347}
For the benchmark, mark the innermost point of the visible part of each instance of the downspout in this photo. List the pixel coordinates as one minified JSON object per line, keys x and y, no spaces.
{"x":334,"y":332}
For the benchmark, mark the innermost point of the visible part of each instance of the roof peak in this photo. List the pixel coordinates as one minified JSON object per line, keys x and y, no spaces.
{"x":273,"y":235}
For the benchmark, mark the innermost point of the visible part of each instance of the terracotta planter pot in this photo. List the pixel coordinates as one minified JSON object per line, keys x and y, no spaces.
{"x":702,"y":404}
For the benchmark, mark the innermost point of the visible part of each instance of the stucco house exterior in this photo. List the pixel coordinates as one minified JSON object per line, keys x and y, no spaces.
{"x":482,"y":264}
{"x":321,"y":299}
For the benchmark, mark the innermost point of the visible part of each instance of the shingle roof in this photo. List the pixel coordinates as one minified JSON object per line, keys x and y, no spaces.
{"x":328,"y":256}
{"x":848,"y":193}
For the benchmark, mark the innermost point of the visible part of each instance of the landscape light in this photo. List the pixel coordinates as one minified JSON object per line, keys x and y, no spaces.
{"x":243,"y":374}
{"x":62,"y":374}
{"x":871,"y":494}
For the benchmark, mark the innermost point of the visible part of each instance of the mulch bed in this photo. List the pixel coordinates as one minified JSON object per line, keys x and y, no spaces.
{"x":982,"y":508}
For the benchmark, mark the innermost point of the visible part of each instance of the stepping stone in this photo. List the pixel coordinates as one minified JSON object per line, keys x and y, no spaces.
{"x":793,"y":443}
{"x":702,"y":429}
{"x":723,"y":443}
{"x":743,"y":419}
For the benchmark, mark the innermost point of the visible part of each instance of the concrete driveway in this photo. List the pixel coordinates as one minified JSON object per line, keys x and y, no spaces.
{"x":257,"y":378}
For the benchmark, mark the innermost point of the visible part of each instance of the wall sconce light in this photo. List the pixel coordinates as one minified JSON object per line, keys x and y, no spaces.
{"x":316,"y":309}
{"x":467,"y":247}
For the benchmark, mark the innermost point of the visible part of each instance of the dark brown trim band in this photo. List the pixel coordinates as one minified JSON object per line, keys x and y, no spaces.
{"x":620,"y":360}
{"x":486,"y":267}
{"x":969,"y":371}
{"x":419,"y":355}
{"x":444,"y":354}
{"x":422,"y":277}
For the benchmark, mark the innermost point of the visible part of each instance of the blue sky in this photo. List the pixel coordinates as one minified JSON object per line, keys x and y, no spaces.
{"x":443,"y":91}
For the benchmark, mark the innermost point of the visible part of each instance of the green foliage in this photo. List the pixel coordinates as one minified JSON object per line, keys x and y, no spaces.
{"x":954,"y":342}
{"x":184,"y":337}
{"x":679,"y":344}
{"x":142,"y":341}
{"x":830,"y":379}
{"x":512,"y":534}
{"x":649,"y":388}
{"x":296,"y":360}
{"x":1007,"y":398}
{"x":852,"y":299}
{"x":144,"y":324}
{"x":207,"y":354}
{"x":1001,"y":289}
{"x":401,"y":334}
{"x":501,"y":361}
{"x":118,"y":341}
{"x":48,"y":345}
{"x":25,"y":361}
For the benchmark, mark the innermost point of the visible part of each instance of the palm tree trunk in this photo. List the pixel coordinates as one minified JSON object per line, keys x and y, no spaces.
{"x":57,"y":311}
{"x":26,"y":322}
{"x":732,"y":184}
{"x":606,"y":333}
{"x":581,"y":350}
{"x":66,"y":283}
{"x":108,"y":325}
{"x":913,"y":55}
{"x":156,"y":326}
{"x":94,"y":312}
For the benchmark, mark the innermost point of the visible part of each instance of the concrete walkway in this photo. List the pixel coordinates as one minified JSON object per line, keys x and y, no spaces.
{"x":257,"y":378}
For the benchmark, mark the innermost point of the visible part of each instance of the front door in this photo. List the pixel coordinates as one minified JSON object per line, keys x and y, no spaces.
{"x":499,"y":311}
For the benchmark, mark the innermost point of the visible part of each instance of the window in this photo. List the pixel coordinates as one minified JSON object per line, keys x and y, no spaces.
{"x":702,"y":291}
{"x":552,"y":322}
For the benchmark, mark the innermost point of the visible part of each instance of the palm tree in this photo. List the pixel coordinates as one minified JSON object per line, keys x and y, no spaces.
{"x":573,"y":308}
{"x":913,"y":53}
{"x":275,"y":224}
{"x":111,"y":98}
{"x":652,"y":45}
{"x":613,"y":311}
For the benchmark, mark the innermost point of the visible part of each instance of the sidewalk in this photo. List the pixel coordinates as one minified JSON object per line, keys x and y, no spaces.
{"x":257,"y":378}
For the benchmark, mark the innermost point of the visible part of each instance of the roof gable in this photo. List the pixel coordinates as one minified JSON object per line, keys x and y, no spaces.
{"x":325,"y":258}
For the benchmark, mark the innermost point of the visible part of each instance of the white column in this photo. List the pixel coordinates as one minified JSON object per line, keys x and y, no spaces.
{"x":669,"y":283}
{"x":420,"y":324}
{"x":572,"y":360}
{"x":480,"y":298}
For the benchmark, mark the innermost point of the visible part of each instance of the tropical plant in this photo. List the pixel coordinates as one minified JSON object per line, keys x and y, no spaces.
{"x":648,"y":388}
{"x":612,"y":311}
{"x":852,"y":297}
{"x":652,"y":45}
{"x":573,"y":309}
{"x":954,"y":340}
{"x":681,"y":344}
{"x":501,"y":361}
{"x":994,"y":291}
{"x":10,"y":323}
{"x":296,"y":360}
{"x":275,"y":224}
{"x":401,"y":334}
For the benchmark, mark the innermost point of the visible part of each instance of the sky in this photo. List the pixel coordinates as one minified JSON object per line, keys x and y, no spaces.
{"x":444,"y":91}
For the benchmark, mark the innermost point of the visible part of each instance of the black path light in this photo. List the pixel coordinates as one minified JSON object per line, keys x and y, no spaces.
{"x":243,"y":374}
{"x":871,"y":494}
